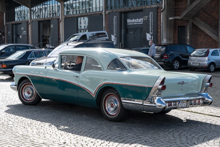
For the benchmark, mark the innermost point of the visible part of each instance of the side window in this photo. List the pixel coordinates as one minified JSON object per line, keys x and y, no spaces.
{"x":173,"y":48}
{"x":182,"y":48}
{"x":92,"y":64}
{"x":116,"y":65}
{"x":68,"y":61}
{"x":83,"y":37}
{"x":215,"y":53}
{"x":9,"y":50}
{"x":190,"y":49}
{"x":38,"y":54}
{"x":18,"y":48}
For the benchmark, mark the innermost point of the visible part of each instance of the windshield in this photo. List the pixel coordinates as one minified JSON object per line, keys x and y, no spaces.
{"x":140,"y":63}
{"x":73,"y":38}
{"x":2,"y":46}
{"x":200,"y":53}
{"x":16,"y":55}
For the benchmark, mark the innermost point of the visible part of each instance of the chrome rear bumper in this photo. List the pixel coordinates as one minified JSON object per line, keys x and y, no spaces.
{"x":13,"y":86}
{"x":160,"y":104}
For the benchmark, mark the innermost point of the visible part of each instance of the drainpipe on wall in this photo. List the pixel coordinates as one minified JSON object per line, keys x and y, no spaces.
{"x":62,"y":22}
{"x":5,"y":27}
{"x":30,"y":27}
{"x":104,"y":12}
{"x":162,"y":9}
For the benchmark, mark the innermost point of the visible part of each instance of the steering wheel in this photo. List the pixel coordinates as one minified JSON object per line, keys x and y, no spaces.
{"x":69,"y":65}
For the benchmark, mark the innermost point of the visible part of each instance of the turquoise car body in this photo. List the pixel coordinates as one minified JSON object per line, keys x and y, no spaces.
{"x":138,"y":89}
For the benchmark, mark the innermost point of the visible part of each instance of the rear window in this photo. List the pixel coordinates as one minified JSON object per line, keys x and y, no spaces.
{"x":160,"y":49}
{"x":200,"y":53}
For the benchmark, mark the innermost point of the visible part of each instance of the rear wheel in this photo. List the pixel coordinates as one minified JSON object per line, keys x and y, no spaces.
{"x":211,"y":67}
{"x":111,"y":106}
{"x":27,"y":93}
{"x":176,"y":64}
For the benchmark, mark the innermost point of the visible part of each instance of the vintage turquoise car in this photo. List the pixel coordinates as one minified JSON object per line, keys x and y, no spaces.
{"x":113,"y":80}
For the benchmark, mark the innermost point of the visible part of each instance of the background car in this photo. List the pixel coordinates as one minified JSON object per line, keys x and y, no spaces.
{"x":8,"y":49}
{"x":205,"y":59}
{"x":21,"y":58}
{"x":96,"y":35}
{"x":173,"y":55}
{"x":144,"y":50}
{"x":49,"y":60}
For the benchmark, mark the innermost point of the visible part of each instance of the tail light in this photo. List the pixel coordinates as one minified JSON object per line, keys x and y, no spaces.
{"x":166,"y":56}
{"x":3,"y":66}
{"x":207,"y":53}
{"x":161,"y":85}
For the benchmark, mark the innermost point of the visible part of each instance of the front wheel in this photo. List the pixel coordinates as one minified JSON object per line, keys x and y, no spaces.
{"x":111,"y":106}
{"x":27,"y":93}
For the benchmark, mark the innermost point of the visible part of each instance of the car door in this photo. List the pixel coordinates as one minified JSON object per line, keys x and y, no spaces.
{"x":215,"y":57}
{"x":183,"y":54}
{"x":7,"y":51}
{"x":62,"y":82}
{"x":90,"y":79}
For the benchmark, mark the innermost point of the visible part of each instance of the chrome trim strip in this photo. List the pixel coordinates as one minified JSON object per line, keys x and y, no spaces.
{"x":132,"y":101}
{"x":13,"y":86}
{"x":183,"y":99}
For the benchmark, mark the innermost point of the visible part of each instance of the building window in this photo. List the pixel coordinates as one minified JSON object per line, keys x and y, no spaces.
{"x":21,"y":13}
{"x":47,"y":9}
{"x":72,"y":7}
{"x":119,"y":4}
{"x":82,"y":24}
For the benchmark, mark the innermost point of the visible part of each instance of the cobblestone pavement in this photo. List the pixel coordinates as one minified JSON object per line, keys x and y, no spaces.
{"x":57,"y":124}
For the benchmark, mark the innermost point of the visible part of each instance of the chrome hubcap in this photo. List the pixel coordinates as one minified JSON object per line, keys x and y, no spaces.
{"x":212,"y":67}
{"x":112,"y":105}
{"x":28,"y":92}
{"x":176,"y":64}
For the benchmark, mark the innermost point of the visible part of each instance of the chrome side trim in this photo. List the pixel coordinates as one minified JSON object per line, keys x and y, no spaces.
{"x":13,"y":86}
{"x":132,"y":101}
{"x":2,"y":69}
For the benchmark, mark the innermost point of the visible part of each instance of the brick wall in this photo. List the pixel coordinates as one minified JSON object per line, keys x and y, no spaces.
{"x":208,"y":14}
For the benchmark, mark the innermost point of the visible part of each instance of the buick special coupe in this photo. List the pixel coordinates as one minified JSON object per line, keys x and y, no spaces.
{"x":113,"y":80}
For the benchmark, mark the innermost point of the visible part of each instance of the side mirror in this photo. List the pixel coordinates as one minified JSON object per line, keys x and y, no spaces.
{"x":2,"y":52}
{"x":54,"y":66}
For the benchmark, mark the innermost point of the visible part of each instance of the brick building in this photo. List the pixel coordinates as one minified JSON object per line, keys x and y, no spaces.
{"x":130,"y":23}
{"x":196,"y":22}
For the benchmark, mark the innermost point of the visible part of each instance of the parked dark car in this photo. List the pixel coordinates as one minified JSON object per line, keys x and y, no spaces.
{"x":8,"y":49}
{"x":49,"y":60}
{"x":21,"y":58}
{"x":173,"y":55}
{"x":144,"y":50}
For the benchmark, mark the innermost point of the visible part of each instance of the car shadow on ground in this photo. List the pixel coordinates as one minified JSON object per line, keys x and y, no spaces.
{"x":139,"y":128}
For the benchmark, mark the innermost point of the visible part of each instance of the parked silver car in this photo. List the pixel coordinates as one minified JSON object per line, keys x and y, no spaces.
{"x":204,"y":59}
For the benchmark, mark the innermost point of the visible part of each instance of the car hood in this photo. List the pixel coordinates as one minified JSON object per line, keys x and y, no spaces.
{"x":43,"y":61}
{"x":178,"y":83}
